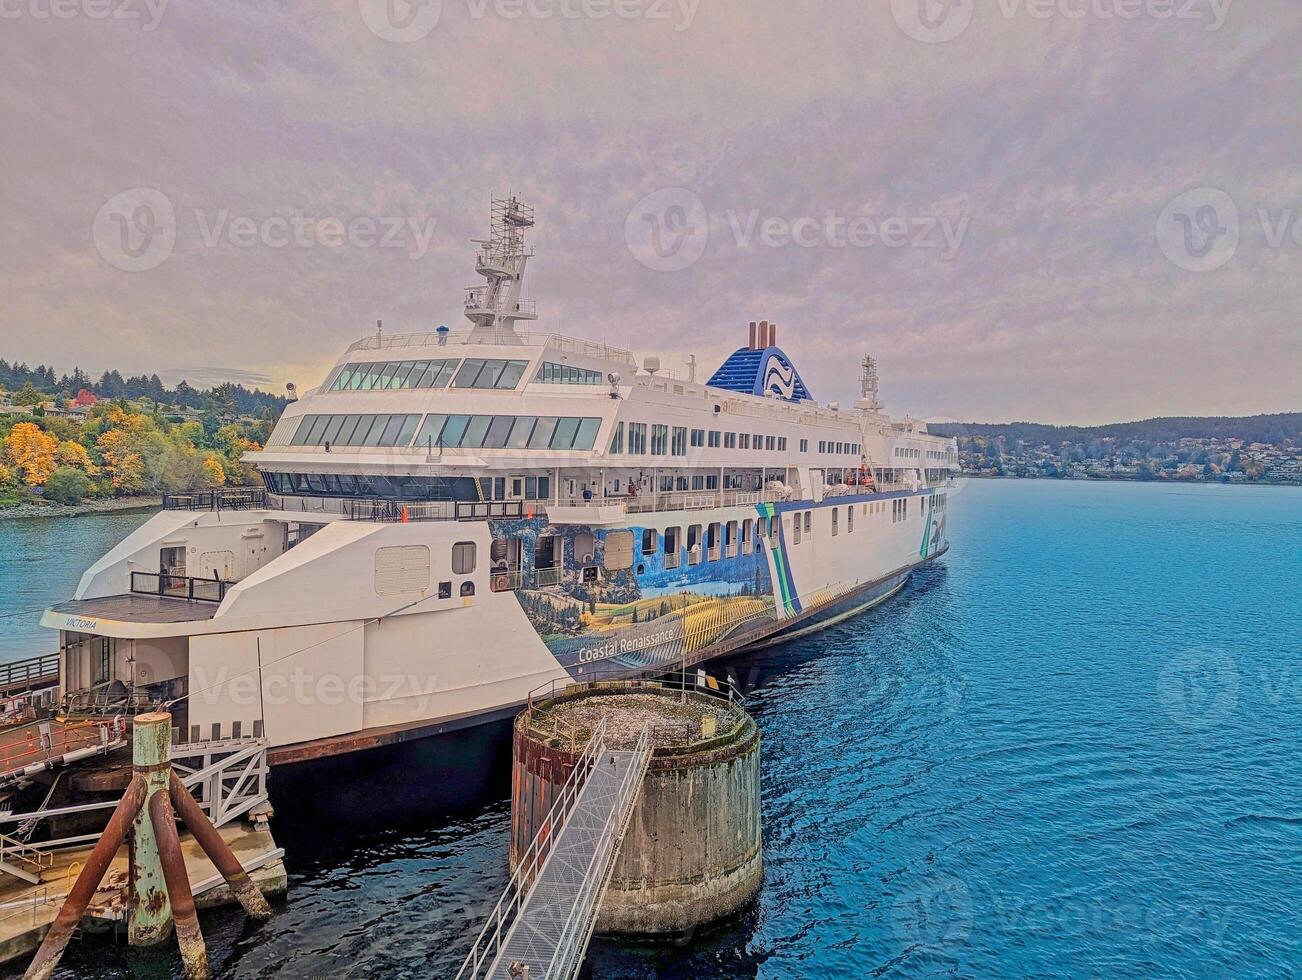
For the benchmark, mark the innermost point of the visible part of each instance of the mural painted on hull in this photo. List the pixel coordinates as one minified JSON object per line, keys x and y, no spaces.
{"x":933,"y":533}
{"x":638,"y":612}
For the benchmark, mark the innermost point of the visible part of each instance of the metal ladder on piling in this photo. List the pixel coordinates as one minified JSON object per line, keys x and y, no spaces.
{"x":544,"y":919}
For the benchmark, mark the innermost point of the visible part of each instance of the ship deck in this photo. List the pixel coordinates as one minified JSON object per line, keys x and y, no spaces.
{"x":139,"y":608}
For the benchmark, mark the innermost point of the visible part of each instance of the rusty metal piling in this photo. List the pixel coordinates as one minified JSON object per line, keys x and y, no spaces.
{"x":160,"y":899}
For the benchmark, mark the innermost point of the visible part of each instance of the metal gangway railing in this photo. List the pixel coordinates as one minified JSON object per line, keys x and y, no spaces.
{"x":544,"y":919}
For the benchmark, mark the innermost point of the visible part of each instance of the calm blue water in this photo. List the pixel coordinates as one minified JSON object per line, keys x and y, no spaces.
{"x":1072,"y":748}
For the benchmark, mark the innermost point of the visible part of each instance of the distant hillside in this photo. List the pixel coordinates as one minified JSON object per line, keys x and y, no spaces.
{"x":228,"y":398}
{"x":1271,"y":429}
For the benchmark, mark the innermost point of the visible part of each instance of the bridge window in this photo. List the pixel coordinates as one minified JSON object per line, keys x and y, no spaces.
{"x":637,"y":438}
{"x":617,"y":440}
{"x":566,"y":374}
{"x":477,"y":372}
{"x":714,"y":438}
{"x":379,"y":375}
{"x":355,"y":430}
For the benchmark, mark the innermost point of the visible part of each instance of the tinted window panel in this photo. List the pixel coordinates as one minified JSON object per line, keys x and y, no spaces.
{"x":400,"y":375}
{"x":331,"y":433}
{"x":470,"y":369}
{"x":511,"y":374}
{"x":587,"y":435}
{"x":390,"y":436}
{"x":301,"y":430}
{"x":431,"y":431}
{"x":476,"y":430}
{"x":444,"y":374}
{"x":542,"y":433}
{"x":489,"y":374}
{"x":565,"y":431}
{"x":377,"y":430}
{"x":455,"y":429}
{"x":318,"y":427}
{"x":409,"y":423}
{"x":520,"y":432}
{"x":498,"y":430}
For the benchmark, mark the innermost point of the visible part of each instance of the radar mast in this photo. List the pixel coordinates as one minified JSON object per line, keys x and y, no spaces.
{"x":495,"y":306}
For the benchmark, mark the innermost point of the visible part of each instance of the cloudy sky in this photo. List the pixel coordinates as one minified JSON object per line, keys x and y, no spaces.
{"x":1057,"y":210}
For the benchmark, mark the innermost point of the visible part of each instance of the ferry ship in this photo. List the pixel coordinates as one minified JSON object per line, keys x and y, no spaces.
{"x":454,"y":519}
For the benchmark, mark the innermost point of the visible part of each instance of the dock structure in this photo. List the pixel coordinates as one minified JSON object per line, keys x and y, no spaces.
{"x":541,"y":926}
{"x":220,"y":781}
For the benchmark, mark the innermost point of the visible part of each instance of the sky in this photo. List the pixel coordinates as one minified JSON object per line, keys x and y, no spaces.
{"x":1067,"y":211}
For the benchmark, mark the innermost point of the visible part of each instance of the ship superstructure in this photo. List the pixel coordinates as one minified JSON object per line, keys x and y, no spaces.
{"x":454,"y":518}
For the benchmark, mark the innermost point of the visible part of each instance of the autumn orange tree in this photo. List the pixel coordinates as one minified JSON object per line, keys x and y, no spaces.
{"x":32,"y":451}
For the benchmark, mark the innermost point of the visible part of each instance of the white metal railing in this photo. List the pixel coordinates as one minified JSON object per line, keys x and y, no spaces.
{"x":515,"y":338}
{"x":543,"y":577}
{"x":489,"y":942}
{"x":228,"y":787}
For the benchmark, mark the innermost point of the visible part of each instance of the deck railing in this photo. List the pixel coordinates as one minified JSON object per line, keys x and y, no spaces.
{"x":179,"y":586}
{"x":28,"y":672}
{"x":228,"y":498}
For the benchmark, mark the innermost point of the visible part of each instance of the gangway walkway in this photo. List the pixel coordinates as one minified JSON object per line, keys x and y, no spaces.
{"x":545,"y":918}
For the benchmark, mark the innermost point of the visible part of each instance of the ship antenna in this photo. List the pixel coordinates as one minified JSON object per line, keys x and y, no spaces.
{"x":868,"y":385}
{"x":495,"y":306}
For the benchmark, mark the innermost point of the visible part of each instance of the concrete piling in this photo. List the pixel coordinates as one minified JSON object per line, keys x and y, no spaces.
{"x":692,"y":852}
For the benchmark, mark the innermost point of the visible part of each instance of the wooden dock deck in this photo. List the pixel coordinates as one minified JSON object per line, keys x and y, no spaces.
{"x":26,"y":911}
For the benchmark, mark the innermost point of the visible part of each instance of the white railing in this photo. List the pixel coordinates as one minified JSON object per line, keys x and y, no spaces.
{"x":515,"y":338}
{"x":489,"y":942}
{"x":228,"y":787}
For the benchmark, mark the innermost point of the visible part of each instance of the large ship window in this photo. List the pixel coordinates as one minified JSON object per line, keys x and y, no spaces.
{"x":355,"y":430}
{"x":649,"y":541}
{"x":485,"y":373}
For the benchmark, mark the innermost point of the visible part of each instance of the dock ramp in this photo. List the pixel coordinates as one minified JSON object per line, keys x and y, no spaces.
{"x":544,"y":920}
